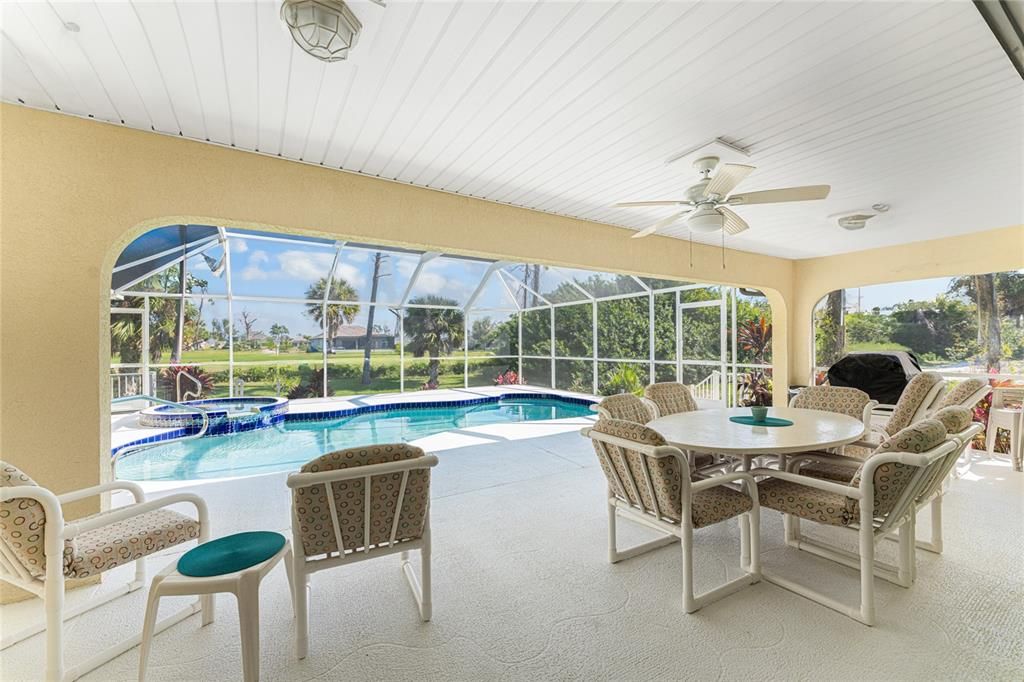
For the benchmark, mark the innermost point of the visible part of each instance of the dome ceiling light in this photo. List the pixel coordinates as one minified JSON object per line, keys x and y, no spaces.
{"x":326,"y":29}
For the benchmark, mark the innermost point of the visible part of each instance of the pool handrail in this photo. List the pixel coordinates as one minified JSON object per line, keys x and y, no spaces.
{"x":131,"y":449}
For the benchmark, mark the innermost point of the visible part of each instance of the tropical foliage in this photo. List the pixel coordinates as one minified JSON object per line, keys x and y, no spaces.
{"x":956,"y":327}
{"x":433,"y":331}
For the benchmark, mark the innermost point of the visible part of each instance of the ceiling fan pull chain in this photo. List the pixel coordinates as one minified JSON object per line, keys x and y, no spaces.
{"x":691,"y":248}
{"x":723,"y":249}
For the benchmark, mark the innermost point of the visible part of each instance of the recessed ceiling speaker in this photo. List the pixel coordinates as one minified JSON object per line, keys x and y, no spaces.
{"x":853,"y":220}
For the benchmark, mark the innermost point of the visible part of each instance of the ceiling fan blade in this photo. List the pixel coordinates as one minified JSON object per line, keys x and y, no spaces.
{"x":775,"y":196}
{"x":726,"y":178}
{"x":733,"y":223}
{"x":660,"y":224}
{"x":633,"y":204}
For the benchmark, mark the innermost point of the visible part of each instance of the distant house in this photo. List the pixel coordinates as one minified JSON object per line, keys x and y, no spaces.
{"x":353,"y":337}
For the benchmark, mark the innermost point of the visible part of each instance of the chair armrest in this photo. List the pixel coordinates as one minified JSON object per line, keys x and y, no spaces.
{"x":123,"y":513}
{"x":722,"y":479}
{"x":134,"y":488}
{"x":820,"y":484}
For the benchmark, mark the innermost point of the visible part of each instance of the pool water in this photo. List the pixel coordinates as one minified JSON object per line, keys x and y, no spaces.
{"x":289,"y":445}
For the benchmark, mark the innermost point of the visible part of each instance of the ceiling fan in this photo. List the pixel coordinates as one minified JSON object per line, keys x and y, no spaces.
{"x":707,"y":202}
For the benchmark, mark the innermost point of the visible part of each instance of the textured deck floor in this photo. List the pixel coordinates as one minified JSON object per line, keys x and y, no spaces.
{"x":522,"y":590}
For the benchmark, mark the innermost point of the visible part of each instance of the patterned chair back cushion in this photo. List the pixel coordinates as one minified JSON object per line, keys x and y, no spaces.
{"x":671,"y":398}
{"x":627,"y":407}
{"x":313,"y":508}
{"x":962,"y":393}
{"x":624,"y":469}
{"x":839,"y":399}
{"x":22,"y":523}
{"x":954,"y":418}
{"x":911,"y":401}
{"x":891,"y":479}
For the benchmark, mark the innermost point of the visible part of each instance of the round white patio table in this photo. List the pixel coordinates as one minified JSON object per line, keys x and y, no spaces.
{"x":711,"y":431}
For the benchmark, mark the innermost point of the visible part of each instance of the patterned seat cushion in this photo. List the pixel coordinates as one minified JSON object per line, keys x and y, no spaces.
{"x":892,"y":479}
{"x":955,"y":418}
{"x":627,"y":407}
{"x":911,"y":401}
{"x":960,"y":394}
{"x":22,"y":522}
{"x":671,"y":398}
{"x":838,"y":399}
{"x":829,"y":508}
{"x":313,"y":509}
{"x":622,"y":465}
{"x":119,"y":543}
{"x":717,"y":504}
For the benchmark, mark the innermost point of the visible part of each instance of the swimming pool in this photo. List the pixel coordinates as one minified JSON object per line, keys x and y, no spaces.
{"x":287,"y":445}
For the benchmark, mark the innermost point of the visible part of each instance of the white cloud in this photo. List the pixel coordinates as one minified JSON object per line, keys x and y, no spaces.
{"x":356,"y":255}
{"x":350,"y":274}
{"x":253,"y":271}
{"x":304,"y":265}
{"x":238,"y":246}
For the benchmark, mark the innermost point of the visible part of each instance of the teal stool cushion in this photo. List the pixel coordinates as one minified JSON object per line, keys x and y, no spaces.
{"x":229,"y":554}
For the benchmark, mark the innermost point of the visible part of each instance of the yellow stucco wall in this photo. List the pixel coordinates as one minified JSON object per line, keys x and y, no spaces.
{"x":997,"y":250}
{"x":75,"y":192}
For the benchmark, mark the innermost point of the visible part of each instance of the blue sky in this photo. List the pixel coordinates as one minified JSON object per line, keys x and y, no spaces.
{"x":884,"y":295}
{"x":265,"y":268}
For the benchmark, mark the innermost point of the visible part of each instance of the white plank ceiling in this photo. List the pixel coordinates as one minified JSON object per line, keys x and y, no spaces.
{"x":567,"y":107}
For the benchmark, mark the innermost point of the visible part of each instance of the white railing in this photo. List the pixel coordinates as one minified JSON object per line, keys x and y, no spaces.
{"x":123,"y":385}
{"x":709,"y":388}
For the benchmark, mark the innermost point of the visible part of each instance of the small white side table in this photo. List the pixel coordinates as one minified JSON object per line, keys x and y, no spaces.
{"x":244,"y":584}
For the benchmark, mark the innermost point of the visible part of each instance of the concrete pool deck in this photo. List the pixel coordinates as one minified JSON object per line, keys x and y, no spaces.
{"x":523,"y":590}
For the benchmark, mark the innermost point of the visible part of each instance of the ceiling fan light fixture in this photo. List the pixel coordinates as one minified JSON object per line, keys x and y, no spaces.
{"x":325,"y":29}
{"x":705,"y":219}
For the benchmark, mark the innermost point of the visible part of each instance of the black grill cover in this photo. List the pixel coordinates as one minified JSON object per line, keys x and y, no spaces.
{"x":880,"y":375}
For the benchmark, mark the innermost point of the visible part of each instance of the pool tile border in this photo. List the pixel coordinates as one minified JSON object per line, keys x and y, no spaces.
{"x":243,"y":424}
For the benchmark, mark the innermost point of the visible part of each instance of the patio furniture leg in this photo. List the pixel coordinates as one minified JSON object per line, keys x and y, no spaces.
{"x":300,"y":602}
{"x":689,"y":603}
{"x":905,"y":571}
{"x":290,"y":573}
{"x":613,"y":554}
{"x":149,"y":625}
{"x":248,"y":596}
{"x":54,"y":604}
{"x":935,"y":545}
{"x":867,"y":567}
{"x":426,"y":605}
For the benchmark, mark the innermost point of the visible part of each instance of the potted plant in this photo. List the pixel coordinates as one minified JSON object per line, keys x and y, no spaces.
{"x":756,"y":393}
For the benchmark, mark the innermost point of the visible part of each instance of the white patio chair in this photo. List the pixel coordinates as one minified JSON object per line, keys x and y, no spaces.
{"x":919,"y":398}
{"x":959,"y":428}
{"x":852,"y":402}
{"x":33,"y":530}
{"x":646,"y":484}
{"x":357,"y":504}
{"x":670,"y":397}
{"x":627,"y":407}
{"x":878,"y":501}
{"x":967,"y":393}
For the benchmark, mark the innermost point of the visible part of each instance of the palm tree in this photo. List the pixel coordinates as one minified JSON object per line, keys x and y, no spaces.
{"x":433,"y":331}
{"x":337,"y":313}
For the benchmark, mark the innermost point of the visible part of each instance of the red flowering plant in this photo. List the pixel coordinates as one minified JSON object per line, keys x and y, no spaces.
{"x":508,"y":377}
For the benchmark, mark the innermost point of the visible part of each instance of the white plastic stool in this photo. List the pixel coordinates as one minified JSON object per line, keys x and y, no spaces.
{"x":1009,"y":419}
{"x":244,"y":584}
